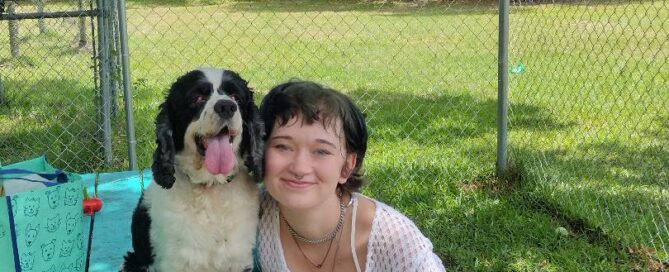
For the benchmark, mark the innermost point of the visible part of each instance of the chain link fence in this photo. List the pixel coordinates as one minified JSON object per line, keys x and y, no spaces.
{"x":589,"y":116}
{"x":368,"y":51}
{"x":588,"y":99}
{"x":58,"y":83}
{"x":426,"y":81}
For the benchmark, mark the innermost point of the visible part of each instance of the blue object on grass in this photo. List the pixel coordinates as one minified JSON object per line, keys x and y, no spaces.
{"x":120,"y":192}
{"x":518,"y":69}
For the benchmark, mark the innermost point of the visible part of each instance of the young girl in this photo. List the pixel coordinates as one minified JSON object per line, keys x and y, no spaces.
{"x":313,"y":218}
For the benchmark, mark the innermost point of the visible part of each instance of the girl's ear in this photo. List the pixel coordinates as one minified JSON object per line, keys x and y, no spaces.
{"x":349,"y":165}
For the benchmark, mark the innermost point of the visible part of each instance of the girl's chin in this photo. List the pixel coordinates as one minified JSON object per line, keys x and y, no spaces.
{"x":296,"y":200}
{"x":297,"y":205}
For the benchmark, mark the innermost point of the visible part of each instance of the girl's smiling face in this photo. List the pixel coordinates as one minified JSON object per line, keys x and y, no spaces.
{"x":305,"y":162}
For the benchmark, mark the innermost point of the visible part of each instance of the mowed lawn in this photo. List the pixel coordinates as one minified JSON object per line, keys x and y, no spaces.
{"x":426,"y":76}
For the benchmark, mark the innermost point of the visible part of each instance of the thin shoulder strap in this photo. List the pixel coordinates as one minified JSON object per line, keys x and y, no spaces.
{"x":354,"y":217}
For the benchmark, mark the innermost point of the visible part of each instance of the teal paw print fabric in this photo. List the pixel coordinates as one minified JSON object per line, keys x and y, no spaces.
{"x":42,"y":230}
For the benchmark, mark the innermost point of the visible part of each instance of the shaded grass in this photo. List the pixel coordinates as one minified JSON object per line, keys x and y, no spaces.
{"x":609,"y":166}
{"x":473,"y":225}
{"x":426,"y":78}
{"x":55,"y":118}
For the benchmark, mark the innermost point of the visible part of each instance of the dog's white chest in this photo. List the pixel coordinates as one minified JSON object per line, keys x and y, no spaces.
{"x":203,"y":229}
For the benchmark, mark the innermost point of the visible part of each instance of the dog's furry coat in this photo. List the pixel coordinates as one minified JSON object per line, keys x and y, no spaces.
{"x":203,"y":214}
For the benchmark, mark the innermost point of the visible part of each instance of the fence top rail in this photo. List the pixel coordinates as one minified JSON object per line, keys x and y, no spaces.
{"x":41,"y":15}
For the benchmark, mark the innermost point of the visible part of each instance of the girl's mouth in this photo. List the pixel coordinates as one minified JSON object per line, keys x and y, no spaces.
{"x":296,"y":183}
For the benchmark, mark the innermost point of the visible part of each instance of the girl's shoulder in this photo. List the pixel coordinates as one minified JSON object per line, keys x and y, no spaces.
{"x":396,"y":241}
{"x":384,"y":214}
{"x":391,"y":225}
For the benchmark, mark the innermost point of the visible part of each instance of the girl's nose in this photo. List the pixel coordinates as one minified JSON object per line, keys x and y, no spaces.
{"x":301,"y":164}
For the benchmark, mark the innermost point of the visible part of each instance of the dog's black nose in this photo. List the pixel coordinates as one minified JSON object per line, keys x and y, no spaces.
{"x":225,"y":108}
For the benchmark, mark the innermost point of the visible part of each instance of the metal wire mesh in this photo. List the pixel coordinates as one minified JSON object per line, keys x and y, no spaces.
{"x":588,"y":113}
{"x":352,"y":47}
{"x":49,"y":98}
{"x":589,"y":106}
{"x":425,"y":77}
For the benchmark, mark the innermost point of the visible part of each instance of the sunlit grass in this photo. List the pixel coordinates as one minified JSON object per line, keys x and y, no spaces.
{"x":426,"y":76}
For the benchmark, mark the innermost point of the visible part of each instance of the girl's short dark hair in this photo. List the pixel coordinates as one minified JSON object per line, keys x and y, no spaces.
{"x":317,"y":103}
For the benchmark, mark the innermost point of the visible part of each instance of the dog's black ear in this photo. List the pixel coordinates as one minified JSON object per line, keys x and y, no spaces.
{"x":163,"y":157}
{"x":252,"y":143}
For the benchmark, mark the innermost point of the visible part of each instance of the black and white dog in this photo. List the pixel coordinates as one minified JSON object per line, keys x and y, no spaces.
{"x":204,"y":213}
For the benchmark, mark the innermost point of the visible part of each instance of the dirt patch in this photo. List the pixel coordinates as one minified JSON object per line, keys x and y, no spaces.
{"x":646,"y":257}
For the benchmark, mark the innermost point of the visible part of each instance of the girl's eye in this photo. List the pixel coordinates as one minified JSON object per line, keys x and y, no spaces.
{"x":281,"y":147}
{"x":322,"y":152}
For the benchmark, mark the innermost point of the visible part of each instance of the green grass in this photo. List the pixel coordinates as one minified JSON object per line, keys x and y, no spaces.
{"x":607,"y":160}
{"x":589,"y":131}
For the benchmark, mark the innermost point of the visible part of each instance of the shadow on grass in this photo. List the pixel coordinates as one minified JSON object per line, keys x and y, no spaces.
{"x":523,"y":224}
{"x":470,"y":229}
{"x":442,"y":118}
{"x":474,"y":230}
{"x":53,"y":117}
{"x":608,"y":190}
{"x":407,"y":191}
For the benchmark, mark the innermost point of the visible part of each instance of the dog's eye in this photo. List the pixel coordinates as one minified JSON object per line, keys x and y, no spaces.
{"x":235,"y":98}
{"x":198,"y":100}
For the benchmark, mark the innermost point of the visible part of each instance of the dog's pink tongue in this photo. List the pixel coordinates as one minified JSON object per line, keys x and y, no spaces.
{"x":219,"y":158}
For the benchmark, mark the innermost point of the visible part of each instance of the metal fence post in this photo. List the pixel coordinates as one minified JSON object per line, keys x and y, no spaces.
{"x":110,"y":25}
{"x":127,"y":87}
{"x":103,"y":50}
{"x":502,"y":89}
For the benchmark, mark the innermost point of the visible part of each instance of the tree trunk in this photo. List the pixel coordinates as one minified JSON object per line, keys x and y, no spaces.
{"x":13,"y":30}
{"x":40,"y":21}
{"x":83,"y":39}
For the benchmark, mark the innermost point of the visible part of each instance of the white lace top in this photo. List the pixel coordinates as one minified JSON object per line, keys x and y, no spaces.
{"x":395,"y":243}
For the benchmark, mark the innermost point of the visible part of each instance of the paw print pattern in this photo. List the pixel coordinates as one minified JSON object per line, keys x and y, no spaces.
{"x":31,"y":234}
{"x":31,"y":207}
{"x":3,"y":231}
{"x":48,"y":250}
{"x":27,"y":261}
{"x":52,"y":223}
{"x":53,"y":197}
{"x":71,"y":195}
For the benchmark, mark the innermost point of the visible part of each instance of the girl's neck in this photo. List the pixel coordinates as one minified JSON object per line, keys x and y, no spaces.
{"x":315,"y":222}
